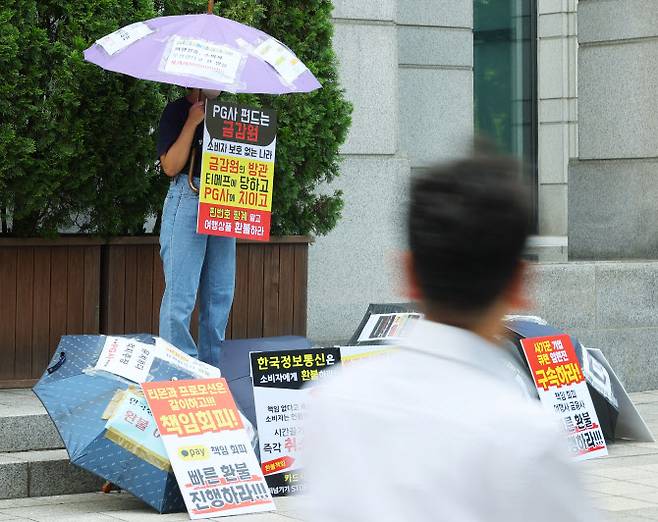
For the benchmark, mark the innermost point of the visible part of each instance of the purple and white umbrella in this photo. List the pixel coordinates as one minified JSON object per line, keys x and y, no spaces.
{"x":203,"y":51}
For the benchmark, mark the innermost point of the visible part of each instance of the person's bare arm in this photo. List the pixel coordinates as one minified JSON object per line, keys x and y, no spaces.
{"x":175,"y":158}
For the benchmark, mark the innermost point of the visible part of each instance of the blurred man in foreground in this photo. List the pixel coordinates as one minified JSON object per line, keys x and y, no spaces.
{"x":439,"y":430}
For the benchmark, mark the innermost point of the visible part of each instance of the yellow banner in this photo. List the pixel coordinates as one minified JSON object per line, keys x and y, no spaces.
{"x":237,"y":182}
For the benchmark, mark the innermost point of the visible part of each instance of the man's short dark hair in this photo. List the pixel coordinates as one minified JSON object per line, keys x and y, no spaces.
{"x":468,"y":225}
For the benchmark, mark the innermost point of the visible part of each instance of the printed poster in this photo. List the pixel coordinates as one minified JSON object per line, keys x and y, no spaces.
{"x":237,"y":171}
{"x":283,"y":383}
{"x":563,"y":391}
{"x":209,"y":449}
{"x":387,"y":327}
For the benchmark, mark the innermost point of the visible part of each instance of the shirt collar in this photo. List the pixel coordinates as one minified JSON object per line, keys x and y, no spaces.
{"x":458,"y":345}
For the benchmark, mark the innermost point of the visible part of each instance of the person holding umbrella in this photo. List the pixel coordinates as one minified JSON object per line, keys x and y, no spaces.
{"x":208,"y":53}
{"x":192,"y":263}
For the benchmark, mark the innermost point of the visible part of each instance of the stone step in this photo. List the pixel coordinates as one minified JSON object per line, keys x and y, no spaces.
{"x":547,"y":249}
{"x":42,"y":473}
{"x":24,"y":423}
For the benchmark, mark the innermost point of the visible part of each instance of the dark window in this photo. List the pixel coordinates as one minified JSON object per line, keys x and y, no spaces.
{"x":505,"y":79}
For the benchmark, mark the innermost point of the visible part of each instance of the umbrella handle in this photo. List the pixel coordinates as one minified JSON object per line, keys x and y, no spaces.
{"x":190,"y":172}
{"x":58,"y":364}
{"x":211,"y":4}
{"x":190,"y":175}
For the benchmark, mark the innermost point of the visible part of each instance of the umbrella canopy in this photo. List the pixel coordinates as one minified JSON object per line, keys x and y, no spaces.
{"x":78,"y":397}
{"x":203,"y":51}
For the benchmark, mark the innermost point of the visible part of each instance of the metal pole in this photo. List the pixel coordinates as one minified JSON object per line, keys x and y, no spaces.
{"x":190,"y":172}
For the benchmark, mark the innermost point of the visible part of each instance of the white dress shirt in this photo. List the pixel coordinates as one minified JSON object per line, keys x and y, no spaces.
{"x":440,"y":430}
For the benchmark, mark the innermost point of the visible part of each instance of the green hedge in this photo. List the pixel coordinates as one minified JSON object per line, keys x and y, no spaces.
{"x":77,"y":144}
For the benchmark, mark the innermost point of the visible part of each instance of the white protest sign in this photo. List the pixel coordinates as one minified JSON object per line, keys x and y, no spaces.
{"x":127,"y":358}
{"x":122,"y":38}
{"x":283,"y":383}
{"x":281,"y":58}
{"x":563,"y":391}
{"x":209,"y":449}
{"x":203,"y":59}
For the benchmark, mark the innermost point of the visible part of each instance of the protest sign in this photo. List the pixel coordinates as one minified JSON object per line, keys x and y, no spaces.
{"x":209,"y":449}
{"x":282,"y":386}
{"x":237,"y":171}
{"x":386,"y":327}
{"x":563,"y":390}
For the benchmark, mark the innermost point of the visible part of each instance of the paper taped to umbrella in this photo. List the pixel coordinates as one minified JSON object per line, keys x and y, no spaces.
{"x":122,"y":38}
{"x":281,"y":58}
{"x":132,"y":359}
{"x":185,"y":56}
{"x":131,"y":425}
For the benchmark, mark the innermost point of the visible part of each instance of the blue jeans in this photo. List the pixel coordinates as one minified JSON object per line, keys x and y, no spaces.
{"x":194,"y":262}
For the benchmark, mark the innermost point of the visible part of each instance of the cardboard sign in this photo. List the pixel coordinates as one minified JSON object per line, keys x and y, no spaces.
{"x":237,"y":171}
{"x":282,"y":386}
{"x":563,"y":391}
{"x":210,"y":452}
{"x":386,"y":327}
